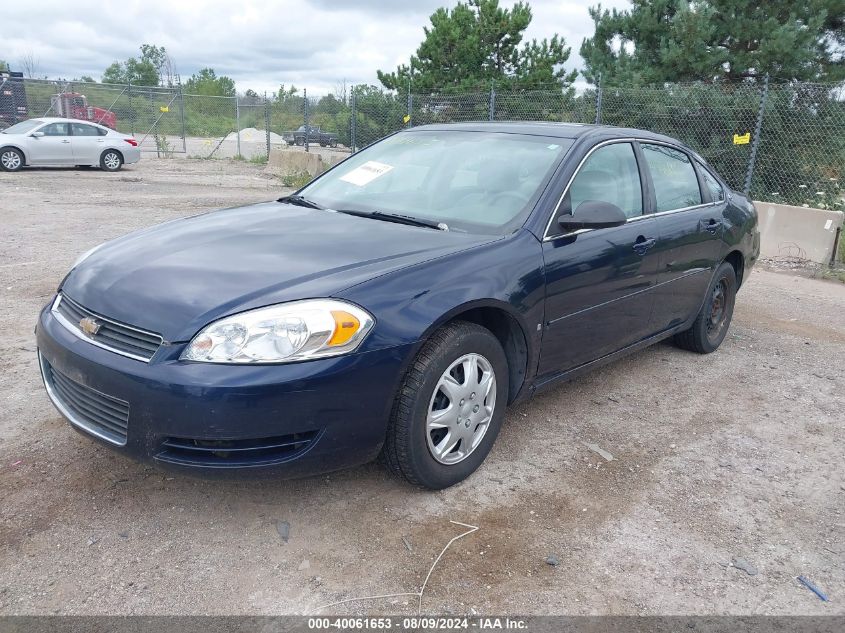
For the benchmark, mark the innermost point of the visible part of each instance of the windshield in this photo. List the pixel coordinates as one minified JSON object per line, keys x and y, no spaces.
{"x":23,"y":127}
{"x":471,"y":181}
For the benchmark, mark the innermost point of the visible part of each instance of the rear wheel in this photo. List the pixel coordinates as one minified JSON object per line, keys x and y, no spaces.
{"x":449,"y":408}
{"x":11,"y":159}
{"x":111,"y":160}
{"x":711,"y":325}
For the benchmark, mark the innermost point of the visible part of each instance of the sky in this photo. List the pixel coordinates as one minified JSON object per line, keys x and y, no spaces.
{"x":313,"y":44}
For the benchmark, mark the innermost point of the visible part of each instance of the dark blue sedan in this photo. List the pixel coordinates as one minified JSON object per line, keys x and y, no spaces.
{"x":397,"y":304}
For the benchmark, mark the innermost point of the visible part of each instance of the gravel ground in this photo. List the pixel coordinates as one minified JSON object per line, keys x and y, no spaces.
{"x":726,"y":480}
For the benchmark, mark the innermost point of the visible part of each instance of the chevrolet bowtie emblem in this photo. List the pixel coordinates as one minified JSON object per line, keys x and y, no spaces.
{"x":89,"y":326}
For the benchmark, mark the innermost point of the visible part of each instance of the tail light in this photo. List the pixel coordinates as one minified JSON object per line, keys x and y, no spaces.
{"x":131,"y":141}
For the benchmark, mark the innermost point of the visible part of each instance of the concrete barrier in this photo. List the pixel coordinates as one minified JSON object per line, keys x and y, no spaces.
{"x":293,"y":161}
{"x":801,"y":232}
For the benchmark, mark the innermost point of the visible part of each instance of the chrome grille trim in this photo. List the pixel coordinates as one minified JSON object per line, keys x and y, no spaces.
{"x":92,"y":411}
{"x":113,"y":336}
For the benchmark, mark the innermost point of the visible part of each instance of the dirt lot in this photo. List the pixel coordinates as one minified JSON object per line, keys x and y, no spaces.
{"x":737,"y":455}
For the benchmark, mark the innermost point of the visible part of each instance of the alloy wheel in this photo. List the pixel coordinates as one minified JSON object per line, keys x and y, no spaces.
{"x":111,"y":160}
{"x":10,"y":160}
{"x":461,"y":409}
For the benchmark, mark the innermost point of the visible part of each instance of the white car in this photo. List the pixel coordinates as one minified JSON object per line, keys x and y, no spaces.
{"x":55,"y":141}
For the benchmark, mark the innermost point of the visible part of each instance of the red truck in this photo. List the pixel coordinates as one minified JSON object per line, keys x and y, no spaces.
{"x":73,"y":105}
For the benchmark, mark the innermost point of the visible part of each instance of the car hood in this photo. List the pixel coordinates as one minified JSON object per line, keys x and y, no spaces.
{"x":177,"y":277}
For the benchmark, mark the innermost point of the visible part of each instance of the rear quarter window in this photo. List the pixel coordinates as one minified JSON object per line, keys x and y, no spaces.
{"x":717,"y":192}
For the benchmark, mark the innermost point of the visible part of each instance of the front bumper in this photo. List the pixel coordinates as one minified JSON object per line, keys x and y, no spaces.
{"x":284,"y":420}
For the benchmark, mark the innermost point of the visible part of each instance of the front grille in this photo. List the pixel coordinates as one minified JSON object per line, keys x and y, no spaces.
{"x":235,"y":453}
{"x":112,"y":335}
{"x":102,"y":415}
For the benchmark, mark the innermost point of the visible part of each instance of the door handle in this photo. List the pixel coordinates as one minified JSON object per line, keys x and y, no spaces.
{"x":65,"y":141}
{"x":712,"y":226}
{"x":641,"y":245}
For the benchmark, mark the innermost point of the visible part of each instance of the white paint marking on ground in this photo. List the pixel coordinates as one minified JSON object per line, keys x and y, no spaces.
{"x":597,"y":449}
{"x":17,"y":264}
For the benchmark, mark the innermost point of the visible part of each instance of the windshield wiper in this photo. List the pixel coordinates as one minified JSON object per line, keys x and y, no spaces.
{"x":300,"y":201}
{"x":395,"y":217}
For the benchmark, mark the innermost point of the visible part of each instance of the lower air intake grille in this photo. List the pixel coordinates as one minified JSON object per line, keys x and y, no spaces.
{"x":235,"y":453}
{"x":99,"y":414}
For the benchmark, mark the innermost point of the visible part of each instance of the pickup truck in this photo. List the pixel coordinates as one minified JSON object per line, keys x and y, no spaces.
{"x":315,"y":135}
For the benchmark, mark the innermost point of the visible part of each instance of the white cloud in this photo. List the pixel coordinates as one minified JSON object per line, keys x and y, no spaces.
{"x":310,"y":43}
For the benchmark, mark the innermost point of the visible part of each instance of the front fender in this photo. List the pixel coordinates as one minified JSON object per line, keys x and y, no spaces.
{"x":411,"y":303}
{"x":20,"y":148}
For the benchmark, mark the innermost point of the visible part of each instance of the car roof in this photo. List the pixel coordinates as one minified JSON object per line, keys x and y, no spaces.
{"x":58,"y":119}
{"x":549,"y":128}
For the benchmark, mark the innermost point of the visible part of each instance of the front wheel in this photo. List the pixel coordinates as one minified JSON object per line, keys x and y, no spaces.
{"x":111,"y":160}
{"x":11,"y":159}
{"x":449,"y":408}
{"x":711,"y":325}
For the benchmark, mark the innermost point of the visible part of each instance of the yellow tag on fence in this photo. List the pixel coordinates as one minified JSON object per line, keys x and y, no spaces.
{"x":742,"y":139}
{"x":165,"y":108}
{"x":406,"y":118}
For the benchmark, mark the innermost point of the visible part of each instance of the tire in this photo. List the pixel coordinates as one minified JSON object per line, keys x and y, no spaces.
{"x":711,"y":325}
{"x":411,"y":444}
{"x":111,"y":160}
{"x":11,"y":159}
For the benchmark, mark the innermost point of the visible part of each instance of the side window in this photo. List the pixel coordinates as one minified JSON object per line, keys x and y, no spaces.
{"x":81,"y":129}
{"x":610,"y":174}
{"x":55,"y":129}
{"x":675,"y":182}
{"x":101,"y":131}
{"x":717,"y":193}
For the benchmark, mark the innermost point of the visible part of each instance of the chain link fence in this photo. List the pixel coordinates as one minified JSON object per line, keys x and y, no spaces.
{"x":780,"y":142}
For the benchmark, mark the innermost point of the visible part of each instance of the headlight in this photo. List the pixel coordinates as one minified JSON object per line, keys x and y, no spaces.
{"x":300,"y":330}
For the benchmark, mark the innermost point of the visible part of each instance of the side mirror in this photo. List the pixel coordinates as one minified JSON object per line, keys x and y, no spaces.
{"x":37,"y":134}
{"x":593,"y":214}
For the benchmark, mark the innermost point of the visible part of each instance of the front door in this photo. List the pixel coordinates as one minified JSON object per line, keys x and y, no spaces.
{"x":599,"y":282}
{"x":54,"y":148}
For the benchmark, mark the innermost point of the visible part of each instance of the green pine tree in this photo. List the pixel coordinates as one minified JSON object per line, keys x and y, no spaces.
{"x":476,"y":43}
{"x":659,"y":41}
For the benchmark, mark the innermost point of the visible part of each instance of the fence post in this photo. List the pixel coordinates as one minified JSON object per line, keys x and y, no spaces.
{"x":155,"y":124}
{"x":131,"y":110}
{"x":182,"y":116}
{"x":267,"y":122}
{"x":755,"y":142}
{"x":599,"y":95}
{"x":238,"y":122}
{"x":352,"y":119}
{"x":410,"y":106}
{"x":305,"y":99}
{"x":492,"y":107}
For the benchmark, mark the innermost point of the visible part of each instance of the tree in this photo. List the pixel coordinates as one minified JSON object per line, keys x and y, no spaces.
{"x":658,"y":41}
{"x":153,"y":68}
{"x":206,"y":82}
{"x":29,"y":64}
{"x":4,"y":67}
{"x":476,"y":43}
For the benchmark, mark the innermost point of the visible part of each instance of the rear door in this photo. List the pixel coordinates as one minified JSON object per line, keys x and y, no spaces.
{"x":87,"y":143}
{"x":690,"y":226}
{"x":54,"y":148}
{"x":599,"y":282}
